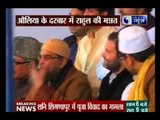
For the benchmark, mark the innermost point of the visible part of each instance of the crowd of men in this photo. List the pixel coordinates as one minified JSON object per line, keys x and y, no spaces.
{"x":95,"y":63}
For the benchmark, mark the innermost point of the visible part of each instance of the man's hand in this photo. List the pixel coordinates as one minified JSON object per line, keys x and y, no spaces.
{"x":37,"y":75}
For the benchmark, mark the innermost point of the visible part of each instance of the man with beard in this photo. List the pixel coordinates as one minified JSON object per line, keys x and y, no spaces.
{"x":150,"y":27}
{"x":115,"y":82}
{"x":57,"y":78}
{"x":91,"y":46}
{"x":26,"y":50}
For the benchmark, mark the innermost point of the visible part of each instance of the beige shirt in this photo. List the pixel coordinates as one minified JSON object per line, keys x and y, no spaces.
{"x":89,"y":53}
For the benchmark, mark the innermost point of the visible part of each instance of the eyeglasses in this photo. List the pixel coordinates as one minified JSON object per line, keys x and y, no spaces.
{"x":48,"y":57}
{"x":19,"y":63}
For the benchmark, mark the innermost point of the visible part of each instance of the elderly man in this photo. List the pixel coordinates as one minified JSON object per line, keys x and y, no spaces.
{"x":26,"y":49}
{"x":57,"y":79}
{"x":137,"y":55}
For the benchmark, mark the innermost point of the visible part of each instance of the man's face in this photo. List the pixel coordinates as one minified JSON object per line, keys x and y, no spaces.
{"x":94,"y":12}
{"x":21,"y":68}
{"x":75,"y":29}
{"x":128,"y":11}
{"x":110,"y":56}
{"x":49,"y":61}
{"x":91,"y":11}
{"x":128,"y":62}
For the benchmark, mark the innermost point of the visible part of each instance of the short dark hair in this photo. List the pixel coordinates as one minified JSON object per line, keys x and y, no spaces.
{"x":142,"y":56}
{"x":82,"y":9}
{"x":114,"y":37}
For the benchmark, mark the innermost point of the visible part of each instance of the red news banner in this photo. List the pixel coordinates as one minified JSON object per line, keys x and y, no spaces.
{"x":70,"y":106}
{"x":66,"y":20}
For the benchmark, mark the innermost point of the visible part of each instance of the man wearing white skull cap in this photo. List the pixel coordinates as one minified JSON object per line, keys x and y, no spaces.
{"x":137,"y":55}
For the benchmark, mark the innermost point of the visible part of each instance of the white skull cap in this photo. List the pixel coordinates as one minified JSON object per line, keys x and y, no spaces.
{"x":133,"y":39}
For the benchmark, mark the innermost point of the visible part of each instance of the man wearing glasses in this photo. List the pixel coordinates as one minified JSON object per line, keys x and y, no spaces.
{"x":26,"y":49}
{"x":57,"y":78}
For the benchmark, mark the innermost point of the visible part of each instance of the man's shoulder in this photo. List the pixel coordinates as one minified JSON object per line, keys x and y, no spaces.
{"x":126,"y":73}
{"x":70,"y":38}
{"x":150,"y":75}
{"x":74,"y":72}
{"x":84,"y":40}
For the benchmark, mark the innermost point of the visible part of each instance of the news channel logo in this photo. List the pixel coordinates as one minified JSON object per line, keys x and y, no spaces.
{"x":134,"y":20}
